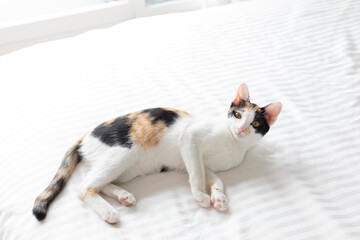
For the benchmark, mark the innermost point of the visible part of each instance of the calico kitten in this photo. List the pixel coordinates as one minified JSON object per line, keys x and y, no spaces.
{"x":161,"y":139}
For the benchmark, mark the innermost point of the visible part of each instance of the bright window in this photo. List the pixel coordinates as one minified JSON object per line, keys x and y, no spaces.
{"x":14,"y":10}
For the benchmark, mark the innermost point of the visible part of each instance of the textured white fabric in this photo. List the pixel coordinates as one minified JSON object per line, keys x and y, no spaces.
{"x":301,"y":182}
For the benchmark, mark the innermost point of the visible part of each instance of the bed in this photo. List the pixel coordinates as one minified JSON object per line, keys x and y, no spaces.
{"x":301,"y":181}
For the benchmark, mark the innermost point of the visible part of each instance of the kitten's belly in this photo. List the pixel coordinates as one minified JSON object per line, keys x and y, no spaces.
{"x":153,"y":160}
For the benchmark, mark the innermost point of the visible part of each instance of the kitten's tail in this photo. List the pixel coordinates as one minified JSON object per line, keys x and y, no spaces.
{"x":42,"y":202}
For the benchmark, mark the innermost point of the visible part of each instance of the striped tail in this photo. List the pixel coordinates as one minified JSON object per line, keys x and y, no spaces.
{"x":42,"y":202}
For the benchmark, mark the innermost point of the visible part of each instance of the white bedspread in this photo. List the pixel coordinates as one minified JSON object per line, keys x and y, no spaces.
{"x":301,"y":182}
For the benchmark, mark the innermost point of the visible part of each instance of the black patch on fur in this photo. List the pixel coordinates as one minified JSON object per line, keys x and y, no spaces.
{"x":39,"y":213}
{"x":241,"y":104}
{"x":116,"y":133}
{"x":232,"y":113}
{"x":264,"y":126}
{"x":164,"y":169}
{"x":79,"y":157}
{"x":159,"y":114}
{"x":255,"y":105}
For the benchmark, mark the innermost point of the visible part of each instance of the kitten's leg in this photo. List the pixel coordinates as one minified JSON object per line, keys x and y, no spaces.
{"x":195,"y":168}
{"x":107,"y":212}
{"x":107,"y":169}
{"x":216,"y":188}
{"x":123,"y":196}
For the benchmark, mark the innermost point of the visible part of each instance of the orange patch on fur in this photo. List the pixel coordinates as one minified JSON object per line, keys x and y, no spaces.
{"x":109,"y":122}
{"x":211,"y":184}
{"x":247,"y":131}
{"x":249,"y":107}
{"x":90,"y":192}
{"x":145,"y":133}
{"x":81,"y":139}
{"x":46,"y":193}
{"x":132,"y":116}
{"x":177,"y":111}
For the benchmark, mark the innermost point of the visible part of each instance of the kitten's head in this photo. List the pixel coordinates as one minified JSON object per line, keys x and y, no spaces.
{"x":247,"y":121}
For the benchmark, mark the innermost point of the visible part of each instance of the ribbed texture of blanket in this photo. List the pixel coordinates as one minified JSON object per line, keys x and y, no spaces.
{"x":301,"y":182}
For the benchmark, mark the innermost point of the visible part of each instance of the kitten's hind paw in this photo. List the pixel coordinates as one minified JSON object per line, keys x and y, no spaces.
{"x":203,"y":199}
{"x":219,"y":201}
{"x":127,"y":198}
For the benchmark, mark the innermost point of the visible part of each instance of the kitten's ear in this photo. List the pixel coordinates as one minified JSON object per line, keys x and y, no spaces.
{"x":242,"y":94}
{"x":272,"y":111}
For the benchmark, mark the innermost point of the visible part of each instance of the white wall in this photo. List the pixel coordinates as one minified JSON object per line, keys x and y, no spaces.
{"x":14,"y":10}
{"x":27,"y":22}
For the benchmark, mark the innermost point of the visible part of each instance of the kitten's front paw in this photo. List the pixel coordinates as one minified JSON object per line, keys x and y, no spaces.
{"x":219,"y":200}
{"x":110,"y":216}
{"x":203,"y":199}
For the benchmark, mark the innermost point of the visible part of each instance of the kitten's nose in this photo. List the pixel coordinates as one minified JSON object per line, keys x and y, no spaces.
{"x":241,"y":130}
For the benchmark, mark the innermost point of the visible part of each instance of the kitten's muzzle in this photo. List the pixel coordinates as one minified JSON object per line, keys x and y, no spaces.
{"x":243,"y":132}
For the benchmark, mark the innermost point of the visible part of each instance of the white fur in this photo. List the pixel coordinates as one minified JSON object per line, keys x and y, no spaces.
{"x":200,"y":146}
{"x":119,"y":193}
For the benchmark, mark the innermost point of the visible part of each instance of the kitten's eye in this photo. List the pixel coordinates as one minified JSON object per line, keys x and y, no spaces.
{"x":255,"y":124}
{"x":238,"y":115}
